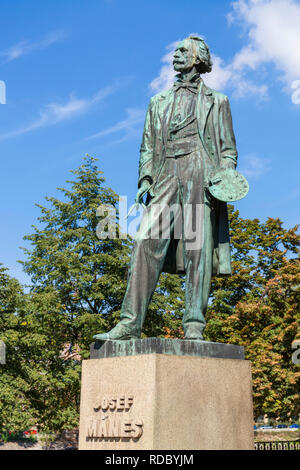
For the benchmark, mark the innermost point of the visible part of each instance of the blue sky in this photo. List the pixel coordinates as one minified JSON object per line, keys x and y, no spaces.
{"x":79,"y":76}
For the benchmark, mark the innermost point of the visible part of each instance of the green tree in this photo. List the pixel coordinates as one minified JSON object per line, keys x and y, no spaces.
{"x":78,"y":284}
{"x":87,"y":274}
{"x":16,"y":412}
{"x":258,"y":307}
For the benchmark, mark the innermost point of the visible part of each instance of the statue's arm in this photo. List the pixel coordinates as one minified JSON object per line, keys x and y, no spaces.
{"x":146,"y":157}
{"x":146,"y":151}
{"x":228,"y":143}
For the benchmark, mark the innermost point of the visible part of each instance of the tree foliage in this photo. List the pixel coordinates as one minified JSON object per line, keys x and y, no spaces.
{"x":78,"y":284}
{"x":15,"y":407}
{"x":258,"y":307}
{"x":88,"y":274}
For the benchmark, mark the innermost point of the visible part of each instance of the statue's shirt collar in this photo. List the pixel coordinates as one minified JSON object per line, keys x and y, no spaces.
{"x":191,"y":85}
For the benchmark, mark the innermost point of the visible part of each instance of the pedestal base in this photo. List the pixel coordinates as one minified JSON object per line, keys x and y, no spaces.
{"x":166,"y":402}
{"x":176,"y":347}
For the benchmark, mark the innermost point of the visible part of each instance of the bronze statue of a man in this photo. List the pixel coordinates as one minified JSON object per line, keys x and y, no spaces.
{"x":187,"y":137}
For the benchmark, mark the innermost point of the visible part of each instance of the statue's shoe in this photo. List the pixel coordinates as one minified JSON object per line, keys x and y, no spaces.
{"x":118,"y":333}
{"x":195,"y":338}
{"x":193,"y":334}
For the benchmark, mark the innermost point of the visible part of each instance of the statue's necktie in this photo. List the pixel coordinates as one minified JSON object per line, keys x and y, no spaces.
{"x":191,"y":86}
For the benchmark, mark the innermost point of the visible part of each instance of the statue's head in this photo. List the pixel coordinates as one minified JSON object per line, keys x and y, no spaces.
{"x":192,"y":51}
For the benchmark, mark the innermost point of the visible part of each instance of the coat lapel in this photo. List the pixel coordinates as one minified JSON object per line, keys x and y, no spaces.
{"x":205,"y":103}
{"x":166,"y":112}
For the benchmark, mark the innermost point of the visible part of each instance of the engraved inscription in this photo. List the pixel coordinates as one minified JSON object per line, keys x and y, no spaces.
{"x":113,"y":419}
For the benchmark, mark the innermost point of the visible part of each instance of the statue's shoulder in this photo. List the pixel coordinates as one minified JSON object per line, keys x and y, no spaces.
{"x":162,"y":95}
{"x":216,"y":94}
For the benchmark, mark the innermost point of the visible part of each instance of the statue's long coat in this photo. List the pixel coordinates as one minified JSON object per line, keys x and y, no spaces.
{"x":217,"y":136}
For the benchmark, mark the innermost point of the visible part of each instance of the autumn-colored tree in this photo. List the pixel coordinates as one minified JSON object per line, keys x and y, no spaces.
{"x":259,"y":307}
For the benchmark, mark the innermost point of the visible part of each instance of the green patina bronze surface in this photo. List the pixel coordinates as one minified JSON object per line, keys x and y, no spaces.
{"x":175,"y":347}
{"x":188,"y":138}
{"x":228,"y":185}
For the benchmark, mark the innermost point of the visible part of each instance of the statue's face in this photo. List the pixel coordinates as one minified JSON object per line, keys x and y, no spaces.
{"x":184,"y":56}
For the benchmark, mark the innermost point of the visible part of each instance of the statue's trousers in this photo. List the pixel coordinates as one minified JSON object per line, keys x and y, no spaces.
{"x":181,"y":208}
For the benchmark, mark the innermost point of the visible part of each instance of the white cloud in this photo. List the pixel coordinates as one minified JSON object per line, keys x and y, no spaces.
{"x":253,"y":166}
{"x":165,"y":79}
{"x":128,"y":126}
{"x":220,"y":78}
{"x":235,"y":77}
{"x":26,"y":47}
{"x":220,"y":74}
{"x":272,"y":30}
{"x":53,"y":113}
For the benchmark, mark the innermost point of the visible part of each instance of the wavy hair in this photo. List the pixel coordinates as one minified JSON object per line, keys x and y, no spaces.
{"x":203,"y":54}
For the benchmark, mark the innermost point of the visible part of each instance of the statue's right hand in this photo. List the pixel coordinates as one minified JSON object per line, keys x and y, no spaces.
{"x":145,"y":186}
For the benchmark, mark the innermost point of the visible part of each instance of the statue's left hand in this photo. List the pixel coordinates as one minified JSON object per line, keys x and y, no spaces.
{"x":228,"y":163}
{"x":145,"y":186}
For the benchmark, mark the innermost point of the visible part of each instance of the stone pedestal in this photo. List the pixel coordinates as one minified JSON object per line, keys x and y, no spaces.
{"x":159,"y":398}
